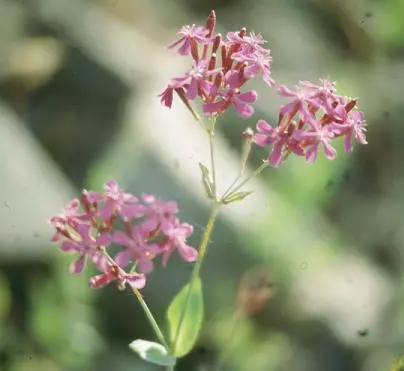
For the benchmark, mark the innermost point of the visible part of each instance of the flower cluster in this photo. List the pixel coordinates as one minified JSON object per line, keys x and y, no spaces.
{"x":221,"y":66}
{"x":150,"y":228}
{"x":315,"y":116}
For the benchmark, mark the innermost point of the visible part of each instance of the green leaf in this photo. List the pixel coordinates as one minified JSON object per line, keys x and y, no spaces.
{"x":152,"y":352}
{"x":207,"y":184}
{"x":192,"y":321}
{"x":238,"y":196}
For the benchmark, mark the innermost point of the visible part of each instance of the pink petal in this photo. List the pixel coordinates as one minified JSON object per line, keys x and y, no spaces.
{"x":187,"y":252}
{"x":283,"y":91}
{"x":275,"y":159}
{"x":209,"y":108}
{"x":107,"y":210}
{"x":311,"y":153}
{"x":244,"y":110}
{"x":123,"y":258}
{"x":93,"y":197}
{"x":261,"y":140}
{"x":248,"y":96}
{"x":264,"y":127}
{"x":138,"y":281}
{"x":77,"y":266}
{"x":121,"y":238}
{"x":145,"y":265}
{"x":103,"y":239}
{"x":68,"y":246}
{"x":100,"y":281}
{"x":330,"y":152}
{"x":192,"y":90}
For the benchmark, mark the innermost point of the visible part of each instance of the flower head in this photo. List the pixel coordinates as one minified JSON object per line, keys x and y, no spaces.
{"x":315,"y":117}
{"x":221,"y":68}
{"x":150,"y":228}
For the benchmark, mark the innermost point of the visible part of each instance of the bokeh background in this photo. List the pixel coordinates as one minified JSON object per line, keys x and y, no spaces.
{"x":78,"y":106}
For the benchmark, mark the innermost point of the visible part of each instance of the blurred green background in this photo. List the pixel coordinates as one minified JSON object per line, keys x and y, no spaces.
{"x":78,"y":86}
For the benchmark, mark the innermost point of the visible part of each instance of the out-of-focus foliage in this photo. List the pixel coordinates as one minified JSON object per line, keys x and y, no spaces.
{"x":78,"y":86}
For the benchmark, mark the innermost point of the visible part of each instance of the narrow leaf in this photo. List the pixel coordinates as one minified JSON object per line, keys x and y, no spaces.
{"x":192,"y":320}
{"x":207,"y":184}
{"x":152,"y":352}
{"x":238,"y":196}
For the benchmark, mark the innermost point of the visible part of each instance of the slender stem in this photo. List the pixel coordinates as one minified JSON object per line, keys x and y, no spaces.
{"x":246,"y":180}
{"x":150,"y":317}
{"x":211,"y":132}
{"x":143,"y":304}
{"x":195,"y":272}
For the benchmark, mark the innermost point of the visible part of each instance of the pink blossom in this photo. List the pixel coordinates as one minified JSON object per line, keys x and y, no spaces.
{"x":159,"y":213}
{"x":197,"y":78}
{"x":315,"y":117}
{"x":225,"y":66}
{"x":355,"y":128}
{"x":317,"y":136}
{"x":70,"y":216}
{"x":191,"y":36}
{"x":177,"y":233}
{"x":116,"y":200}
{"x":136,"y":249}
{"x":86,"y":245}
{"x":114,"y":273}
{"x":232,"y":96}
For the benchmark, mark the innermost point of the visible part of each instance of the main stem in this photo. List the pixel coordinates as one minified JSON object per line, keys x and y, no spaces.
{"x":195,"y":273}
{"x":211,"y":133}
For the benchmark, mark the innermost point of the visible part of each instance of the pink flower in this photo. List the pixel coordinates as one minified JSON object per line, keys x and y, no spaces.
{"x":282,"y":141}
{"x":70,"y":216}
{"x":137,"y":249}
{"x":159,"y":213}
{"x":177,"y":233}
{"x":197,"y":78}
{"x":191,"y":37}
{"x":242,"y":57}
{"x":229,"y":95}
{"x":315,"y":117}
{"x":317,"y":136}
{"x":116,"y":201}
{"x":84,"y":244}
{"x":114,"y":273}
{"x":355,"y":128}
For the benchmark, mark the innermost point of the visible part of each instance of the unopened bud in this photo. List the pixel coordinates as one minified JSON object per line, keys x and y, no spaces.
{"x":211,"y":22}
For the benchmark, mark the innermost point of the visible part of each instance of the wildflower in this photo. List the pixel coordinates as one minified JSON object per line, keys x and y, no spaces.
{"x":315,"y":117}
{"x":116,"y":200}
{"x":136,"y":249}
{"x":225,"y":66}
{"x":176,"y":234}
{"x":191,"y":37}
{"x":81,"y":241}
{"x":112,"y":272}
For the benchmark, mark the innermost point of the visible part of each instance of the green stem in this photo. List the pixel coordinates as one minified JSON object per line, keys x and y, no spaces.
{"x":143,"y":304}
{"x":211,"y":133}
{"x":150,"y":317}
{"x":195,"y":273}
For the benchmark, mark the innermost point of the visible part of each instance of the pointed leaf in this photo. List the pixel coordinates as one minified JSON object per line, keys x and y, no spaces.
{"x":207,"y":184}
{"x":238,"y":196}
{"x":192,"y":319}
{"x":152,"y":352}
